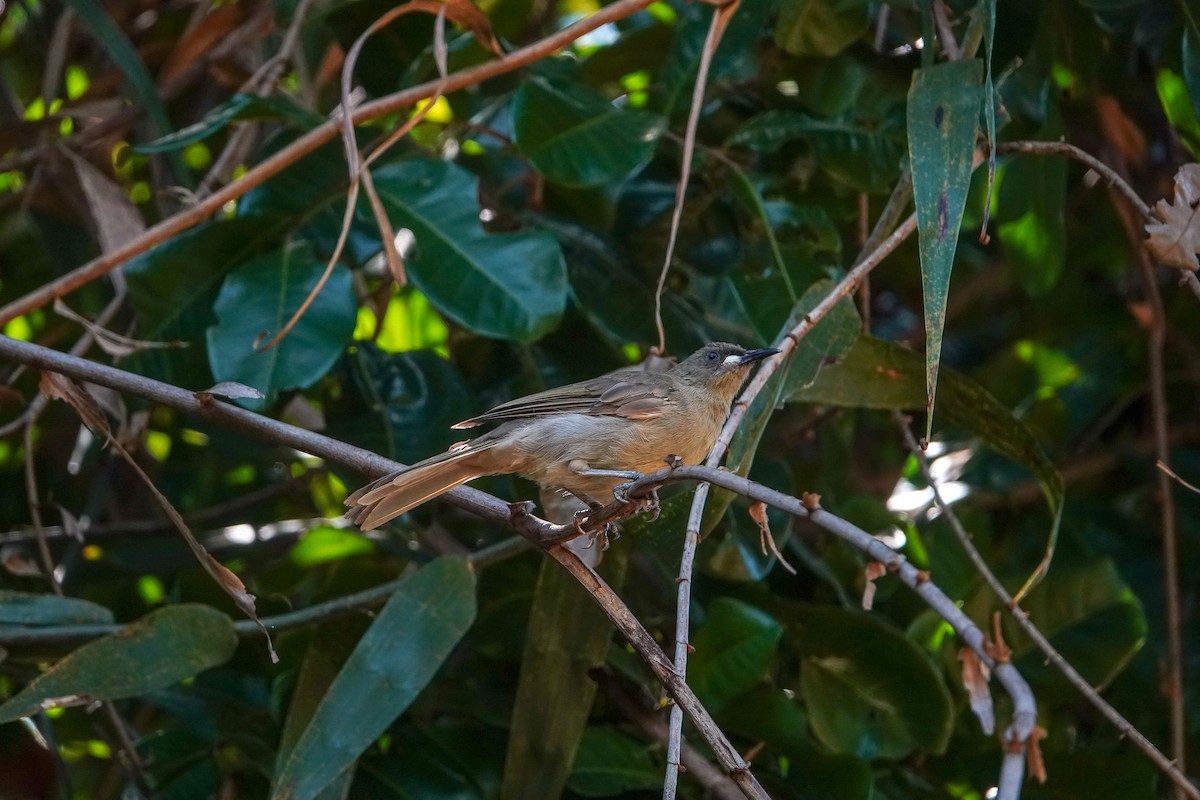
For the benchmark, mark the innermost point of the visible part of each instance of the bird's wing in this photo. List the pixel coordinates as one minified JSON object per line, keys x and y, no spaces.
{"x":626,"y":393}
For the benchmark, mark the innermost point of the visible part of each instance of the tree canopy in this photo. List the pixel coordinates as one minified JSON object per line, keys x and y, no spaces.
{"x":253,"y":253}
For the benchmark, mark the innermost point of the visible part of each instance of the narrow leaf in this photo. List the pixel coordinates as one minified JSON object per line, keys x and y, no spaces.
{"x":943,"y":112}
{"x":158,"y":650}
{"x":398,"y":656}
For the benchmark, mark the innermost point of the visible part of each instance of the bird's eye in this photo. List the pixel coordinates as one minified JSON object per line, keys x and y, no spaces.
{"x":711,"y":355}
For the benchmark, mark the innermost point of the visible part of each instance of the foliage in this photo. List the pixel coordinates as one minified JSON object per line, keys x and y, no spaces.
{"x":531,"y":212}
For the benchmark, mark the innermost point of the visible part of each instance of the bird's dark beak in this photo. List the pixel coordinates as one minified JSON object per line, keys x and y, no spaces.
{"x":751,"y":356}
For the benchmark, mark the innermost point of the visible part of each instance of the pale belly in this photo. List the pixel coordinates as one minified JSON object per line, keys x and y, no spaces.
{"x":549,"y":451}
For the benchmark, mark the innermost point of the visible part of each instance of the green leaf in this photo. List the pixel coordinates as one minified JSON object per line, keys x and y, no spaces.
{"x":160,"y":649}
{"x":1191,"y":68}
{"x":510,"y":286}
{"x":27,"y":608}
{"x":324,"y":544}
{"x":820,"y":27}
{"x":568,"y":635}
{"x":943,"y":113}
{"x":733,"y":650}
{"x":609,"y":763}
{"x":883,"y":375}
{"x":868,"y":690}
{"x":1090,"y":615}
{"x":398,"y":656}
{"x":575,"y":136}
{"x":864,"y":156}
{"x":240,"y":106}
{"x":770,"y":716}
{"x":173,"y":286}
{"x":261,"y":296}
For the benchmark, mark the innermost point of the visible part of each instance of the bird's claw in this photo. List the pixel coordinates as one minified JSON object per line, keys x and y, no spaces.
{"x":607,"y":534}
{"x":647,"y":504}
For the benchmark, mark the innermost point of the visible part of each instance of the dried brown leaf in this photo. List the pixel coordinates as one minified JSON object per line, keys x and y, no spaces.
{"x":1175,"y":241}
{"x":112,"y":343}
{"x":117,"y":219}
{"x":874,"y":570}
{"x":758,"y":513}
{"x":1033,"y":755}
{"x":975,"y":676}
{"x":59,"y":387}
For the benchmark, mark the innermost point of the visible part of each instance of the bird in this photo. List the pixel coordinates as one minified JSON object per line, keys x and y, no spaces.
{"x":584,"y":439}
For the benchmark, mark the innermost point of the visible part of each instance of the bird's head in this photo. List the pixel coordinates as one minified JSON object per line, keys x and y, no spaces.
{"x":721,"y":366}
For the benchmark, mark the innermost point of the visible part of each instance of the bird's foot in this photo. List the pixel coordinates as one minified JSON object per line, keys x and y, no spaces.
{"x":606,"y":535}
{"x":647,"y":504}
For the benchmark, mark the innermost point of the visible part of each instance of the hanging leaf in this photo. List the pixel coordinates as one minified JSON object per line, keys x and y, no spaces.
{"x":575,"y":136}
{"x":510,"y":285}
{"x":160,"y":649}
{"x":943,"y":113}
{"x":395,"y":659}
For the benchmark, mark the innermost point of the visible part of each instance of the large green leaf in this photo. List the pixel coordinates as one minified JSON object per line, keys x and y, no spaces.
{"x":568,"y":635}
{"x":261,"y":296}
{"x":575,"y":136}
{"x":1090,"y":615}
{"x":398,"y":656}
{"x":883,"y":375}
{"x":869,"y":691}
{"x":160,"y":649}
{"x":510,"y":286}
{"x":1031,"y":220}
{"x":173,"y":286}
{"x":769,"y":715}
{"x":26,"y":608}
{"x":943,"y":114}
{"x":864,"y":156}
{"x":732,"y":652}
{"x":820,"y":27}
{"x":610,"y":763}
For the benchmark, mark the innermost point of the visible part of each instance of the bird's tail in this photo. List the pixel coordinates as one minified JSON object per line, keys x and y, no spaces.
{"x":392,"y":495}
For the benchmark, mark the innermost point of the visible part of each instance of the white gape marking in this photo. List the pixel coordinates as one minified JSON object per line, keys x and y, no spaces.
{"x":732,"y":360}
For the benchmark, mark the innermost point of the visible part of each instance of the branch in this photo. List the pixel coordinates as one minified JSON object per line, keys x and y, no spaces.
{"x":1021,"y":617}
{"x":307,"y":144}
{"x":479,"y":503}
{"x":1071,"y":151}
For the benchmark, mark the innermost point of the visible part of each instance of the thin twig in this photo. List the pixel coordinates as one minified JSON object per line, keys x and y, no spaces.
{"x":306,"y":144}
{"x":720,"y":19}
{"x":33,"y":498}
{"x":1172,"y":474}
{"x":1021,"y":617}
{"x":695,"y":516}
{"x":1113,"y":178}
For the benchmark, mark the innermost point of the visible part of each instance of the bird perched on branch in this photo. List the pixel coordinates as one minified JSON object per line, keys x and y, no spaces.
{"x":585,"y":438}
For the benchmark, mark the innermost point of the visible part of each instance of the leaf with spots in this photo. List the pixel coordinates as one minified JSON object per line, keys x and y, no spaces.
{"x":943,"y":112}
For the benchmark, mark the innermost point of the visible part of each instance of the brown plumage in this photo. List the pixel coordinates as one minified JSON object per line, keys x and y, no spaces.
{"x":625,"y":420}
